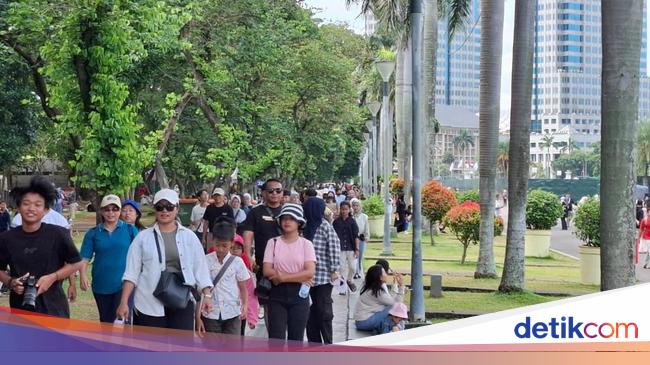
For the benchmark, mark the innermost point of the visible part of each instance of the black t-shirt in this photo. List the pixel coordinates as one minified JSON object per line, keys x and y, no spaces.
{"x":264,"y":227}
{"x":39,"y":253}
{"x":213,"y":212}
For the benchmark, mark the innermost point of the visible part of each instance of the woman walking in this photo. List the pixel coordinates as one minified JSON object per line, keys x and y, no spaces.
{"x":108,"y":243}
{"x":171,"y":251}
{"x":644,"y":239}
{"x":131,"y":214}
{"x":348,"y":233}
{"x":290,"y":263}
{"x":197,"y":213}
{"x":327,"y":248}
{"x":364,"y":233}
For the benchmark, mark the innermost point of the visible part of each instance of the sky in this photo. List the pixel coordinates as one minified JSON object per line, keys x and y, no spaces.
{"x":336,"y":11}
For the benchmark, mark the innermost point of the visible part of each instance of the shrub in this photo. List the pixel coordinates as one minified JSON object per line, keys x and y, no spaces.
{"x":468,"y":196}
{"x":587,"y":222}
{"x":397,"y":186}
{"x":436,"y":202}
{"x":465,"y":221}
{"x":542,"y":210}
{"x":373,"y":206}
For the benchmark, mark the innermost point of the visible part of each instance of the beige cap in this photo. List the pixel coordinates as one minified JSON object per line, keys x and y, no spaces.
{"x":111,"y":199}
{"x":218,"y":191}
{"x":166,"y":194}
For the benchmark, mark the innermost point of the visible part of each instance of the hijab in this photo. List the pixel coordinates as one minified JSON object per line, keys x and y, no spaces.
{"x":314,"y":209}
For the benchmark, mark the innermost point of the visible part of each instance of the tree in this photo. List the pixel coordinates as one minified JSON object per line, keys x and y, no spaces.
{"x":492,"y":14}
{"x":513,"y":276}
{"x":621,"y":39}
{"x":463,"y":141}
{"x":502,"y":157}
{"x":547,"y":142}
{"x":643,"y":150}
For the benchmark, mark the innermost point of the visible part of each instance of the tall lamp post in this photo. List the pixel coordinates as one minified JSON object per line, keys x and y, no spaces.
{"x":419,"y":103}
{"x":385,"y":69}
{"x":366,"y":164}
{"x":374,"y":107}
{"x":371,"y":156}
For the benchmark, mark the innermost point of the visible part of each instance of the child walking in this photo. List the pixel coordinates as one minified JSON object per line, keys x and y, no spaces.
{"x":229,"y":276}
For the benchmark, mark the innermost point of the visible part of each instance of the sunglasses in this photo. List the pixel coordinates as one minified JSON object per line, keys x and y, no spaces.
{"x":111,"y":209}
{"x":276,"y":191}
{"x":167,"y":207}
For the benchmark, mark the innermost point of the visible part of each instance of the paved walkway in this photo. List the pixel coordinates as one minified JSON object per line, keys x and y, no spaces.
{"x":343,"y":324}
{"x":566,"y":242}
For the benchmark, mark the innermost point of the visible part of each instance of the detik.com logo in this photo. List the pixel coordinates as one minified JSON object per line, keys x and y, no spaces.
{"x":568,"y":327}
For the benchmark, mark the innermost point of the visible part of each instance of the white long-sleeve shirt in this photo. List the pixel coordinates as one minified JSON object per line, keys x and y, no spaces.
{"x":362,"y":223}
{"x":143,"y":267}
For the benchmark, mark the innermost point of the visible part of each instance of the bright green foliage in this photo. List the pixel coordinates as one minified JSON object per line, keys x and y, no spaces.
{"x":578,"y":162}
{"x":468,"y":196}
{"x":542,"y":209}
{"x":19,"y":117}
{"x":373,"y":206}
{"x":587,"y":222}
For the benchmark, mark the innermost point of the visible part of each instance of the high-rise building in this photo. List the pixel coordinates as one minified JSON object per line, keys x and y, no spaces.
{"x":458,"y":63}
{"x":567,"y":76}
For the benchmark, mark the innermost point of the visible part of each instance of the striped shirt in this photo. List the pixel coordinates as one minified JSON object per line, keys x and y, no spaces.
{"x":327,"y":247}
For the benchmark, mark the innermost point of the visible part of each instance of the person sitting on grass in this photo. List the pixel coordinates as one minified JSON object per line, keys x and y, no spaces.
{"x":375,"y":301}
{"x":229,"y":275}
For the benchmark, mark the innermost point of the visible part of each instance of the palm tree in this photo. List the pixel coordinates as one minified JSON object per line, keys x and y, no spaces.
{"x":463,"y":141}
{"x":643,"y":151}
{"x":570,"y":146}
{"x":513,"y":277}
{"x":548,"y":141}
{"x":492,"y":14}
{"x":621,"y":37}
{"x":502,"y":157}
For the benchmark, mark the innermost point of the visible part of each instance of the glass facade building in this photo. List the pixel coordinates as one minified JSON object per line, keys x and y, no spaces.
{"x":567,"y":68}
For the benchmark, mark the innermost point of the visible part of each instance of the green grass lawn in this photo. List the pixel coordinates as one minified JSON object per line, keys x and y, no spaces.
{"x":557,"y":273}
{"x":482,"y":302}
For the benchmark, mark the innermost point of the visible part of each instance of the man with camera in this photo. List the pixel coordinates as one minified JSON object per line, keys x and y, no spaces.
{"x":39,"y":255}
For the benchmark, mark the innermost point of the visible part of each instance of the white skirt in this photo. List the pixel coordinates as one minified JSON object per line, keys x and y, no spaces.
{"x":644,"y":245}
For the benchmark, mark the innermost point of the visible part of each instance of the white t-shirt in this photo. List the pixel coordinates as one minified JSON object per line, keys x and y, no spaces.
{"x":225,"y":296}
{"x":51,"y":217}
{"x":197,"y":214}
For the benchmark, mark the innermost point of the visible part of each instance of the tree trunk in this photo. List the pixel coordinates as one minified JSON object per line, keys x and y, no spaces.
{"x":399,"y":108}
{"x":513,"y":277}
{"x":492,"y":14}
{"x":431,"y":228}
{"x":161,"y":177}
{"x":621,"y":37}
{"x":462,"y":260}
{"x":429,"y":49}
{"x":407,"y":118}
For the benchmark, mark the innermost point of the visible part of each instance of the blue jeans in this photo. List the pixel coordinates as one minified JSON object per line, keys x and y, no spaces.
{"x":388,"y":325}
{"x":362,"y":248}
{"x":376,"y":322}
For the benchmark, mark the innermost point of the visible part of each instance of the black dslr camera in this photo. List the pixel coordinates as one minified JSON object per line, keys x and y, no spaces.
{"x":29,"y":296}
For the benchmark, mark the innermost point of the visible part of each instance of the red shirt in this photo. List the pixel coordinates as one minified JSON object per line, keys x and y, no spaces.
{"x":645,"y":229}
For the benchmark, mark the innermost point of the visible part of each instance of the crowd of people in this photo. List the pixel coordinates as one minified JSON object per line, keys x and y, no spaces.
{"x":239,"y":259}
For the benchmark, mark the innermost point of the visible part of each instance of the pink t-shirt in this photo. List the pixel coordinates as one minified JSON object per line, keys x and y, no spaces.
{"x":289,"y":257}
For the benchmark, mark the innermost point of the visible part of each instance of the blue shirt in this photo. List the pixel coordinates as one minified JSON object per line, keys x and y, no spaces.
{"x":110,"y":250}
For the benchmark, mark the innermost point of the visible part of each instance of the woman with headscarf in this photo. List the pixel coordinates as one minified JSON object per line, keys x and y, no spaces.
{"x":327,"y":247}
{"x":238,"y":212}
{"x":364,"y":233}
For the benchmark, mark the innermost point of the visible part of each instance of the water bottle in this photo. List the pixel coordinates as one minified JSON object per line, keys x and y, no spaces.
{"x":304,"y":291}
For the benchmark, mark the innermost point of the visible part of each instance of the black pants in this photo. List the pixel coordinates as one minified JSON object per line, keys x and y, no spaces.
{"x":564,"y":224}
{"x":230,"y":326}
{"x":319,"y":325}
{"x":179,"y":319}
{"x":284,"y":300}
{"x":107,"y":305}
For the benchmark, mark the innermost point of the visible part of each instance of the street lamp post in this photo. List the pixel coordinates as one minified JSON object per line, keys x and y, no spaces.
{"x":371,"y":156}
{"x":374,"y":107}
{"x":385,"y":69}
{"x":419,"y":103}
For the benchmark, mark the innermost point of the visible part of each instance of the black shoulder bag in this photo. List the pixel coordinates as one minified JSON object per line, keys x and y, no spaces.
{"x":171,"y":290}
{"x":264,"y":285}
